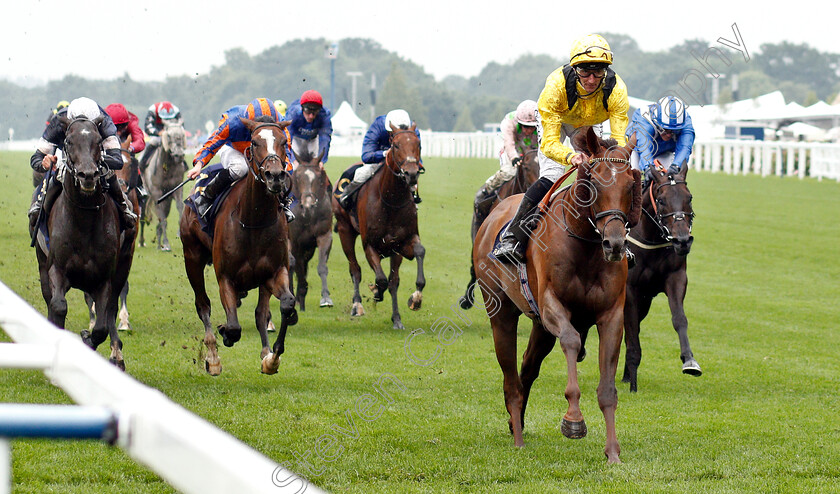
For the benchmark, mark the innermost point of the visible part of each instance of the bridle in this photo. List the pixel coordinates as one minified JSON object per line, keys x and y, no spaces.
{"x":257,"y":168}
{"x":399,"y":172}
{"x":68,"y":160}
{"x":658,"y":217}
{"x":610,"y":214}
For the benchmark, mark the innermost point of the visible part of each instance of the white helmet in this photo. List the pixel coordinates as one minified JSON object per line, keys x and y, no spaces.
{"x":526,"y":113}
{"x":397,"y":118}
{"x":83,"y":107}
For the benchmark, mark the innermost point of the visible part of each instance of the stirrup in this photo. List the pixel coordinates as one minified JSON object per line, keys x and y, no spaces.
{"x":290,"y":216}
{"x":631,"y":258}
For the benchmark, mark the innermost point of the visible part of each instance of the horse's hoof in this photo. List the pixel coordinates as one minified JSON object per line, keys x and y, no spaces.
{"x":214,"y":368}
{"x":398,"y":325}
{"x":465,"y":303}
{"x":230,"y":336}
{"x":612,"y":459}
{"x":119,"y":363}
{"x":270,"y":328}
{"x":292,"y":318}
{"x":357,"y":310}
{"x":573,"y":430}
{"x":415,"y":301}
{"x":581,"y":354}
{"x":692,"y":367}
{"x":326,"y":302}
{"x":166,"y":248}
{"x":270,"y":364}
{"x":124,"y":326}
{"x":85,"y":334}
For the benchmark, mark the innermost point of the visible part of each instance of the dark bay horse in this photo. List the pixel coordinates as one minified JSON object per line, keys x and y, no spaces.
{"x":312,"y":227}
{"x":527,"y":172}
{"x":87,"y":250}
{"x":386,"y":217}
{"x":249,"y":248}
{"x":165,"y":170}
{"x":661,"y":242}
{"x":128,"y":179}
{"x":576,"y":272}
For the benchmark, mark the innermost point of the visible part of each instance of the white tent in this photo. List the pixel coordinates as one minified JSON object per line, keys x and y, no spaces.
{"x":346,"y":123}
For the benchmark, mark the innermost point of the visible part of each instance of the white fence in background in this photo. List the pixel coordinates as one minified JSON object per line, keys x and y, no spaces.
{"x":188,"y":452}
{"x":784,"y":159}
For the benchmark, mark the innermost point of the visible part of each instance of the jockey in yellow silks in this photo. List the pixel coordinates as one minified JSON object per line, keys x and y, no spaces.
{"x":586,"y":91}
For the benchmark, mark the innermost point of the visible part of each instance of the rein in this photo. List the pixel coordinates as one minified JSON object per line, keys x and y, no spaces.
{"x":399,"y":173}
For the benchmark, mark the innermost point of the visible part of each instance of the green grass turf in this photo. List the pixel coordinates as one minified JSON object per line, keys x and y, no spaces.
{"x":762,"y":310}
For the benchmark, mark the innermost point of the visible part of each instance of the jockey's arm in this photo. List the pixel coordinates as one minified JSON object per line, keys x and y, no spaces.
{"x":685,"y":141}
{"x":138,"y":143}
{"x":113,"y":155}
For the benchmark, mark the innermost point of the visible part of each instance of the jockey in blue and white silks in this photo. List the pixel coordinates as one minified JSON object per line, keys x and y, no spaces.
{"x":310,"y":127}
{"x":664,"y":133}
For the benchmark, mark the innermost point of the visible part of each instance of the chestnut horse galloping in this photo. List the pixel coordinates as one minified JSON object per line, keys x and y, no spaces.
{"x":386,"y":218}
{"x":661,"y":242}
{"x":576,"y":271}
{"x":249,"y":248}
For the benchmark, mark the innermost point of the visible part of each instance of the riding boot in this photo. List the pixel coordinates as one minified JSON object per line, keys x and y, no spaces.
{"x":128,"y":218}
{"x":44,"y":202}
{"x":485,"y":193}
{"x":287,"y":208}
{"x":219,"y":184}
{"x":147,"y":155}
{"x":514,"y":242}
{"x":347,"y":198}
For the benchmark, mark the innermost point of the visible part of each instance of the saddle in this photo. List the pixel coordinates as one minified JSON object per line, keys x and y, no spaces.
{"x":208,"y":222}
{"x":345,"y":179}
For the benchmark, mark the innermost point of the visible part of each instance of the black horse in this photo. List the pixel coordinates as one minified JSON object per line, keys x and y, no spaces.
{"x":86,"y":250}
{"x":661,"y":241}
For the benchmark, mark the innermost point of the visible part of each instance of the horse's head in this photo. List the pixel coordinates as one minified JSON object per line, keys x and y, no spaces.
{"x":267,"y":153}
{"x":174,"y":139}
{"x":404,"y":156}
{"x":83,"y":151}
{"x":607,"y":191}
{"x":672,"y":211}
{"x":309,"y":182}
{"x":529,"y":167}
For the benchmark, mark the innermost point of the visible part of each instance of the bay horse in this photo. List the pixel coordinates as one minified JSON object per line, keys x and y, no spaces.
{"x":86,"y":248}
{"x":661,"y":242}
{"x":527,"y":172}
{"x":312,"y":227}
{"x":386,"y":218}
{"x":128,"y":179}
{"x":164,"y":171}
{"x":576,"y":271}
{"x":249,"y":248}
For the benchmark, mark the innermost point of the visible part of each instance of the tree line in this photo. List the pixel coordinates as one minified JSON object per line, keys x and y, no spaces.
{"x":455,"y":103}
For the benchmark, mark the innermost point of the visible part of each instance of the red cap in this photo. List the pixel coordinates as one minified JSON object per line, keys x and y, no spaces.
{"x":117,"y":112}
{"x":311,"y":96}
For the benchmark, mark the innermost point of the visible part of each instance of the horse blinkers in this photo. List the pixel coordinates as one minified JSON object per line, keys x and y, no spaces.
{"x":683,"y":239}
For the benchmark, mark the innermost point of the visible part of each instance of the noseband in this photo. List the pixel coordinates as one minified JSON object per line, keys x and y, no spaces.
{"x":68,"y":160}
{"x":658,"y":217}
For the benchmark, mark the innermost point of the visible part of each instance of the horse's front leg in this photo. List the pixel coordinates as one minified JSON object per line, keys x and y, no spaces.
{"x":123,"y":313}
{"x":610,"y":331}
{"x":57,"y":303}
{"x":419,"y":254}
{"x":300,"y":270}
{"x":324,"y":247}
{"x":91,"y":310}
{"x":101,"y":305}
{"x":381,"y":281}
{"x":504,"y":322}
{"x":393,"y":286}
{"x":279,"y":287}
{"x":556,"y":320}
{"x":348,"y":245}
{"x":270,"y":362}
{"x":116,"y":356}
{"x":162,"y":212}
{"x":636,"y":306}
{"x":675,"y":287}
{"x":231,"y":331}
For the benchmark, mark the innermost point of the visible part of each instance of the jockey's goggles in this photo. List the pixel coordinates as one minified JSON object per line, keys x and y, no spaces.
{"x":311,"y":109}
{"x":594,"y":53}
{"x":583,"y":72}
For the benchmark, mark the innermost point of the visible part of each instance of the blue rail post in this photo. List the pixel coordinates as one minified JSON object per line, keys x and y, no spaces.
{"x":50,"y":422}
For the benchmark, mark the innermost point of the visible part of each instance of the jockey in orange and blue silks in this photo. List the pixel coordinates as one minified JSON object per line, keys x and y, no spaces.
{"x":663,"y":133}
{"x":230,"y":140}
{"x":310,"y":127}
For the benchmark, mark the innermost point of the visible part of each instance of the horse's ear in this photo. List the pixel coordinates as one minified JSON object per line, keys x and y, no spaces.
{"x":631,"y":144}
{"x":99,"y":119}
{"x":413,"y":126}
{"x":250,"y":124}
{"x":683,"y":171}
{"x":321,"y":155}
{"x":64,"y":121}
{"x":284,"y":123}
{"x":636,"y":202}
{"x":393,"y":128}
{"x":592,"y":144}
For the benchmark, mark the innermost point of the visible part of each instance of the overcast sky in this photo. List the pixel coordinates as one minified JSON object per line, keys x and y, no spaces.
{"x":152,"y":39}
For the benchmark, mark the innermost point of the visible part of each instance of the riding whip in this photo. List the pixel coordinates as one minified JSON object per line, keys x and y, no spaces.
{"x":164,"y":196}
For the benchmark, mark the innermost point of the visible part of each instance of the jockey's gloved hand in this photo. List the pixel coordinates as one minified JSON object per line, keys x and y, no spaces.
{"x":515,"y":161}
